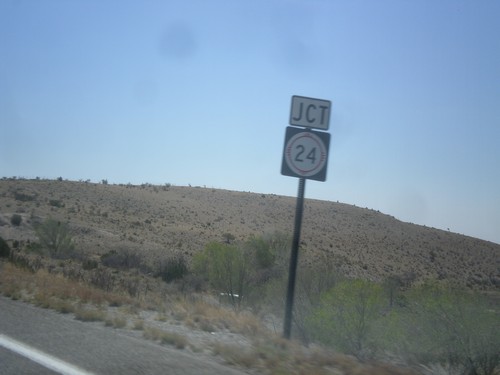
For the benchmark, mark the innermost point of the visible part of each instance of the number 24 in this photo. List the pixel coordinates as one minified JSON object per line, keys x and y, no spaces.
{"x":310,"y":156}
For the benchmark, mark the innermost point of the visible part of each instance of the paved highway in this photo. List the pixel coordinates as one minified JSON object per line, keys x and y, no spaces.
{"x":39,"y":341}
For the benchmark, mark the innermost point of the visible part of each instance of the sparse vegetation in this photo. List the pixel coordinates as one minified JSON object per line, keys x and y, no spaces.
{"x":16,"y":219}
{"x":263,"y":253}
{"x":90,"y":315}
{"x":56,"y":203}
{"x":4,"y":249}
{"x":123,"y":259}
{"x":116,"y":322}
{"x":225,"y":267}
{"x":139,"y":324}
{"x":453,"y":326}
{"x":55,"y":236}
{"x":23,"y":197}
{"x":173,"y":268}
{"x":346,"y":315}
{"x":228,"y":237}
{"x":164,"y":337}
{"x":125,"y":242}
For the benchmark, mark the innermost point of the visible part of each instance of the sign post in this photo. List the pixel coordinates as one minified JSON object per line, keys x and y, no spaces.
{"x":294,"y":256}
{"x":305,"y":155}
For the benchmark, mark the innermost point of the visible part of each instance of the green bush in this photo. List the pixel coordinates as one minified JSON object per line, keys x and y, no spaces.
{"x":16,"y":220}
{"x":56,"y":203}
{"x":55,"y":237}
{"x":20,"y":196}
{"x":125,"y":259}
{"x":173,"y":268}
{"x":228,"y":237}
{"x":262,"y":250}
{"x":89,"y":264}
{"x":346,"y":316}
{"x":4,"y":249}
{"x":455,"y":326}
{"x":225,"y":267}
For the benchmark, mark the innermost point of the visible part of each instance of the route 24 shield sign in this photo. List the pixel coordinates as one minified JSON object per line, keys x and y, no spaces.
{"x":305,"y":154}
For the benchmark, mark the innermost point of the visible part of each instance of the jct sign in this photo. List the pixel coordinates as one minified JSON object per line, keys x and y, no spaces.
{"x":309,"y":112}
{"x":305,"y":156}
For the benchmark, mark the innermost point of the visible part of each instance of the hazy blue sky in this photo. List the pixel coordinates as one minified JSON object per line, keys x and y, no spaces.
{"x":198,"y":92}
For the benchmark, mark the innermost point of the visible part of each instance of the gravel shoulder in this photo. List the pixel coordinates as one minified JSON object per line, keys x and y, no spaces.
{"x":101,"y":349}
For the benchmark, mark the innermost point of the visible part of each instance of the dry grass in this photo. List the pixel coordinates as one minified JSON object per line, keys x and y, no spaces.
{"x":44,"y":288}
{"x":138,"y":325}
{"x":89,"y":314}
{"x":116,"y":322}
{"x":235,"y":355}
{"x":269,"y":354}
{"x":210,"y":318}
{"x":278,"y":356}
{"x":165,"y":337}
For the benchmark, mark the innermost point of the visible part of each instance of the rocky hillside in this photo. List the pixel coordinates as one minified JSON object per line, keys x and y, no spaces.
{"x":159,"y":220}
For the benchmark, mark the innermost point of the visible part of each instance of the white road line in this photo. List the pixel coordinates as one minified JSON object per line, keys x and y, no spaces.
{"x":46,"y":360}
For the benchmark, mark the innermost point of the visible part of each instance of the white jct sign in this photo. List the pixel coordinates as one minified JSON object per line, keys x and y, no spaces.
{"x":310,"y":112}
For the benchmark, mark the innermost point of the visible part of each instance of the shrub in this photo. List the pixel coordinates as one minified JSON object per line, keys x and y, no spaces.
{"x":4,"y":249}
{"x":89,"y":264}
{"x":20,"y":196}
{"x":16,"y":220}
{"x":139,"y":324}
{"x":170,"y":338}
{"x":228,"y":237}
{"x":55,"y":237}
{"x":173,"y":269}
{"x":454,"y":326}
{"x":102,"y":278}
{"x":125,"y":259}
{"x":116,"y":322}
{"x":346,"y":316}
{"x":174,"y":339}
{"x":90,"y":315}
{"x":262,"y":250}
{"x":56,"y":203}
{"x":64,"y":307}
{"x":235,"y":355}
{"x":225,"y":267}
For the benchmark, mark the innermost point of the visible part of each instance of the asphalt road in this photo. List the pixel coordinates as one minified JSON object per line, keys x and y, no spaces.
{"x":27,"y":332}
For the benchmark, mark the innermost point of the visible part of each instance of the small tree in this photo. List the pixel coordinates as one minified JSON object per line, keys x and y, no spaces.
{"x":16,"y":220}
{"x":228,"y":238}
{"x":225,"y":267}
{"x":346,"y":316}
{"x":262,"y":251}
{"x":55,"y":237}
{"x":312,"y":284}
{"x":4,"y":249}
{"x":455,"y":326}
{"x":173,"y":268}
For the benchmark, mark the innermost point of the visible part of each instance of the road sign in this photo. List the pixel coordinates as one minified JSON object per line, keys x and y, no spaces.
{"x":305,"y":154}
{"x":310,"y":112}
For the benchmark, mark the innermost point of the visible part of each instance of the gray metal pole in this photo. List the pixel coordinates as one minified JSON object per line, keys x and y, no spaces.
{"x":299,"y":209}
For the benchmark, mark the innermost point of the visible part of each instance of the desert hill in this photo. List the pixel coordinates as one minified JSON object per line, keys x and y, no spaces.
{"x":160,"y":220}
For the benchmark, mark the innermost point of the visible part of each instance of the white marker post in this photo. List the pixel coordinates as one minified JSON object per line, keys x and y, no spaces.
{"x":305,"y":155}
